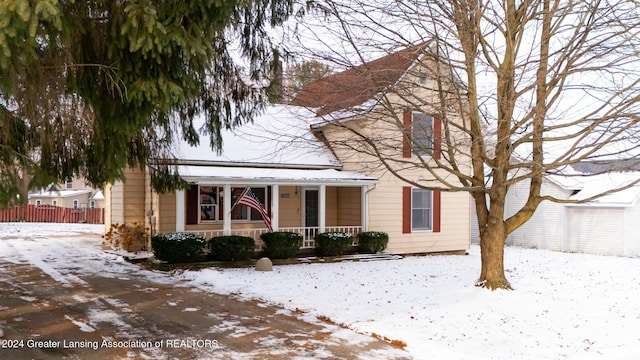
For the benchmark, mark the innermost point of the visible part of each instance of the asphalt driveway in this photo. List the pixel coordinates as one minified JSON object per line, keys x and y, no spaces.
{"x":73,"y":313}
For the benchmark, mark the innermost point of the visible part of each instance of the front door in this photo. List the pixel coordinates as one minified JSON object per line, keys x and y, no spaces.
{"x":310,"y":213}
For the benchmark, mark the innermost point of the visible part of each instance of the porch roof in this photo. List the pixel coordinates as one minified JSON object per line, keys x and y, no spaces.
{"x":272,"y":176}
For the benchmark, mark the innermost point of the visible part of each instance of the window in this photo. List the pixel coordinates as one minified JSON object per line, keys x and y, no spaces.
{"x":92,"y":204}
{"x":38,"y":202}
{"x":205,"y":203}
{"x":75,"y":204}
{"x":242,"y":212}
{"x":69,"y":184}
{"x":422,"y":132}
{"x":210,"y":203}
{"x":54,"y":202}
{"x":421,"y":205}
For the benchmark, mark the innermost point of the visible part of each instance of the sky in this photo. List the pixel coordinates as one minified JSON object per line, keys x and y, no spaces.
{"x":564,"y":306}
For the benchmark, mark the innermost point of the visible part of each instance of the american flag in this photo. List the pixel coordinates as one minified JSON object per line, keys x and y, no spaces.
{"x":248,"y":198}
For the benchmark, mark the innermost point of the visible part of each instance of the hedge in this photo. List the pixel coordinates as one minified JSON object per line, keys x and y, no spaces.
{"x":371,"y":242}
{"x":281,"y":244}
{"x":332,"y":243}
{"x":177,"y":247}
{"x":232,"y":247}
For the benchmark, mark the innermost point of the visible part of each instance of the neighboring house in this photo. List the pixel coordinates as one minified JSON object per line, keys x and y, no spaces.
{"x":607,"y":225}
{"x":70,"y":194}
{"x":293,"y":162}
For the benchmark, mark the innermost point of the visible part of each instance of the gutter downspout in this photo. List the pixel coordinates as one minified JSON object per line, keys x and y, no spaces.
{"x":365,"y":210}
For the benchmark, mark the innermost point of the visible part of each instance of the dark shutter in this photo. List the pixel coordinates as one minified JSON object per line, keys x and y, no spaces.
{"x":437,"y":137}
{"x":192,"y":206}
{"x":436,"y":210}
{"x":406,"y":135}
{"x":406,"y":209}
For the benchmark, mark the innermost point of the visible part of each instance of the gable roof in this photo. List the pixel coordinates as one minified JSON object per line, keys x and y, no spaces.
{"x":357,"y":85}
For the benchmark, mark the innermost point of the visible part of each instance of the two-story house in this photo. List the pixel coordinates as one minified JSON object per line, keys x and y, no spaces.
{"x":306,"y":164}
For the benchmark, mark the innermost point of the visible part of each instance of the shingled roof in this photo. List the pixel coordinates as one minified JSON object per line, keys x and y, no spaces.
{"x":355,"y":86}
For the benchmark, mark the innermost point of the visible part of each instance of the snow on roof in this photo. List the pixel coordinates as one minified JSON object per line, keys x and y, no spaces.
{"x":281,"y":136}
{"x":98,"y":195}
{"x":58,"y":193}
{"x":271,"y":175}
{"x":592,"y":185}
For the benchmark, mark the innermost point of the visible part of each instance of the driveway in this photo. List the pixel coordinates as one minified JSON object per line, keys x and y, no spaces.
{"x":51,"y":310}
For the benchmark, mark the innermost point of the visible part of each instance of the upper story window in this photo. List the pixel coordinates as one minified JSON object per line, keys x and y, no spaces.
{"x":422,"y":132}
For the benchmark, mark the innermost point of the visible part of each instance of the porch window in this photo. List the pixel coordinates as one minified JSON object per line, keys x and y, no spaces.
{"x":211,"y":204}
{"x":242,"y":212}
{"x":421,"y":205}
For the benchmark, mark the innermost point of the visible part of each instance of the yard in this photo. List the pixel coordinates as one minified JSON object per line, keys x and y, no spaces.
{"x":569,"y":306}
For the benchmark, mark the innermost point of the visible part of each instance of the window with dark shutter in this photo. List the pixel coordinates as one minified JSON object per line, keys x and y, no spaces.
{"x":420,"y":210}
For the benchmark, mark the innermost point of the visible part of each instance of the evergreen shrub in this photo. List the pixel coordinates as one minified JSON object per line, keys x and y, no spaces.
{"x":332,"y":243}
{"x":177,"y":247}
{"x":281,"y":244}
{"x":231,"y":247}
{"x":371,"y":242}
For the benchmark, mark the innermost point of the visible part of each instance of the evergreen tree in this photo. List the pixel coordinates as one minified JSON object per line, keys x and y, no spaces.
{"x":300,"y":74}
{"x":90,"y":87}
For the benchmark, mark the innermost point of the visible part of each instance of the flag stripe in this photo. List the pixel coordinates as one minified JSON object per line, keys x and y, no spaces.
{"x":251,"y":200}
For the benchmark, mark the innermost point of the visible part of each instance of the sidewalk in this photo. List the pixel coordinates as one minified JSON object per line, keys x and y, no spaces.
{"x":132,"y":317}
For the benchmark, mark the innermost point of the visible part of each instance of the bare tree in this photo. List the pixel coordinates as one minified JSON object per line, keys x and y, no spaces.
{"x":520,"y":89}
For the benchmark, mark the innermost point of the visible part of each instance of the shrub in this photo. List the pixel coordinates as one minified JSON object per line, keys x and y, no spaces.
{"x":132,"y":237}
{"x":177,"y":247}
{"x":332,"y":243}
{"x":281,"y":244}
{"x":232,"y":247}
{"x":371,"y":242}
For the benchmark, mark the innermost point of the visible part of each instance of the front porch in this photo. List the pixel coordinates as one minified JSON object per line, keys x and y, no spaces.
{"x":307,"y":209}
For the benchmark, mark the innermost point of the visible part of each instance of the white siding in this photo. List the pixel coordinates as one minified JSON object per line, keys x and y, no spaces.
{"x":546,"y":228}
{"x":632,"y":230}
{"x":596,"y":230}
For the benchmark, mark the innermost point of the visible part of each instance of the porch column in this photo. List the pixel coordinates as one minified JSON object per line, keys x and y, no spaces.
{"x":322,"y":208}
{"x":180,"y":210}
{"x":275,"y":207}
{"x":226,"y":210}
{"x":364,"y":208}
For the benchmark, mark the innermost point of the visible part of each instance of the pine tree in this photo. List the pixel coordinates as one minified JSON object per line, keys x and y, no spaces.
{"x":90,"y":87}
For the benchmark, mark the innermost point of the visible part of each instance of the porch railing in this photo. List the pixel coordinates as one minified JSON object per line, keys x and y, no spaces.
{"x":308,"y":234}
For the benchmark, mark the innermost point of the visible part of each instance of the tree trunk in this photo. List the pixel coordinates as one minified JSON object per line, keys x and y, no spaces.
{"x":492,"y":239}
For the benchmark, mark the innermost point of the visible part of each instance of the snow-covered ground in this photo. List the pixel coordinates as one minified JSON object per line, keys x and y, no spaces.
{"x":565,"y":306}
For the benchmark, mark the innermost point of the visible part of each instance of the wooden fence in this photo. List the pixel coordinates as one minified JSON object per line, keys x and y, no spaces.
{"x":51,"y":214}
